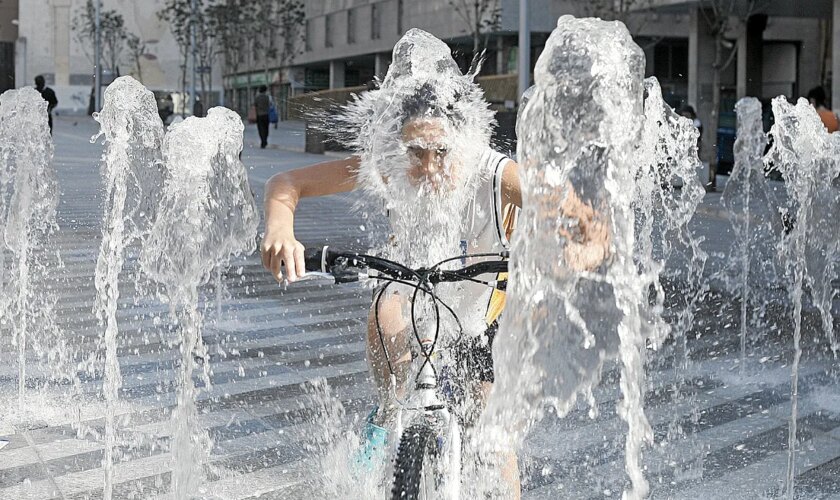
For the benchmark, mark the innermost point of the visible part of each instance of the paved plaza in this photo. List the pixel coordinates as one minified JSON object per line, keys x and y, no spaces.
{"x":723,"y":436}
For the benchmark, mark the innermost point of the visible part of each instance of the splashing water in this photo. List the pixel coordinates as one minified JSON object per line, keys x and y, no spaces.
{"x":132,"y":172}
{"x":668,"y":157}
{"x":668,"y":192}
{"x":809,"y":159}
{"x":207,"y":203}
{"x":747,"y":199}
{"x":424,"y":87}
{"x":577,"y":139}
{"x":28,"y":201}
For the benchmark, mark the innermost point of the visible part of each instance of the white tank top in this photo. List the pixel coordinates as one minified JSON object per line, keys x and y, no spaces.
{"x":484,"y":232}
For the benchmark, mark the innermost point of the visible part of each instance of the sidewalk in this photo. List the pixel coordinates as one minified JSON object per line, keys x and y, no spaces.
{"x":288,"y":136}
{"x":270,"y":340}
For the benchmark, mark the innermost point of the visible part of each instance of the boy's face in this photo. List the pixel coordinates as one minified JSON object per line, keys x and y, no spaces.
{"x":428,"y":150}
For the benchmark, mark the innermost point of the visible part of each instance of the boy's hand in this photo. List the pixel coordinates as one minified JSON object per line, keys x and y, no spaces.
{"x":590,"y":246}
{"x":281,"y":248}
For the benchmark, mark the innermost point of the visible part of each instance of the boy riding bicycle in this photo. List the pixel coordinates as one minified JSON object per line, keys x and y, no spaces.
{"x":423,"y":149}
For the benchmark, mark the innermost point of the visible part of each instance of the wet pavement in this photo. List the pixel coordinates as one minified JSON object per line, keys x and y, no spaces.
{"x":720,"y":433}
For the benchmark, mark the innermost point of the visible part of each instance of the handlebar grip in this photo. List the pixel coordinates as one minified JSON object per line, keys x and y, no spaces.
{"x":314,"y":259}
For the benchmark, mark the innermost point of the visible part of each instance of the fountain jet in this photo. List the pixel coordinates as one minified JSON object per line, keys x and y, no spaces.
{"x":132,"y":170}
{"x":28,"y":201}
{"x":206,"y":215}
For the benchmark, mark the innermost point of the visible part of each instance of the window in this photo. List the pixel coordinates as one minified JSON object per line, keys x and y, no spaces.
{"x":309,"y":35}
{"x":375,"y":22}
{"x":351,"y":26}
{"x":328,"y":30}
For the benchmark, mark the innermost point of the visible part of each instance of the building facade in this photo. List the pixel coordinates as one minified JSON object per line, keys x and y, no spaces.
{"x":45,"y":44}
{"x":784,"y":50}
{"x":8,"y":36}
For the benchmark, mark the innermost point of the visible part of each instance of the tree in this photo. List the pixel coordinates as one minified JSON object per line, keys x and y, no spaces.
{"x":136,"y":51}
{"x":229,"y":24}
{"x":276,"y":32}
{"x":112,"y":31}
{"x":256,"y":34}
{"x":178,"y":14}
{"x":722,"y":17}
{"x":290,"y":31}
{"x":627,"y":11}
{"x":480,"y":18}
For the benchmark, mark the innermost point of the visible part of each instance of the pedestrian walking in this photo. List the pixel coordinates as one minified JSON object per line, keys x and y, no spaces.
{"x":49,"y":95}
{"x":262,"y":105}
{"x":198,"y":108}
{"x":816,"y":96}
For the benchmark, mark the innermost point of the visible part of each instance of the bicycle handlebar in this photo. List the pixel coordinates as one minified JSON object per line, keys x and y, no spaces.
{"x":345,"y":267}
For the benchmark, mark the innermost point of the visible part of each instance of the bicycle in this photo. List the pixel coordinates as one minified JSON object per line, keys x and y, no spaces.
{"x":428,"y":454}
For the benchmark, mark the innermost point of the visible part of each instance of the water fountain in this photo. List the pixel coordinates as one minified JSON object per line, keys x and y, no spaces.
{"x":577,"y":137}
{"x":750,"y":207}
{"x":587,"y":139}
{"x":133,"y":172}
{"x":668,"y":193}
{"x":28,"y":200}
{"x":808,"y":158}
{"x":207,"y":203}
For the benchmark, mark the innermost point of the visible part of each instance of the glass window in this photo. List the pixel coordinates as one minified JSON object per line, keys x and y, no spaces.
{"x":308,"y":35}
{"x":375,"y":22}
{"x":351,"y":26}
{"x":328,"y":30}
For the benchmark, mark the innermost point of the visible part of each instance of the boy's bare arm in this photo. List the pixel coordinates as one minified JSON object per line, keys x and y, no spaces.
{"x":511,"y":186}
{"x":282,"y":194}
{"x":590,"y":246}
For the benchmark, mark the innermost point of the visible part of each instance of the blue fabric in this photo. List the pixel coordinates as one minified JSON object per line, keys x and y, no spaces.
{"x":373,"y":448}
{"x":272,"y":114}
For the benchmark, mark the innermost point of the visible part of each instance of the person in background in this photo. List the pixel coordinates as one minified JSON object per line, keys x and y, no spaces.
{"x":688,"y":112}
{"x":262,"y":104}
{"x":49,"y":95}
{"x":816,"y":96}
{"x":198,"y":108}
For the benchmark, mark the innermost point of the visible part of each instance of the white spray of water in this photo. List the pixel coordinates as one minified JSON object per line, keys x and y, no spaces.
{"x":424,"y":106}
{"x":132,"y":173}
{"x":423,"y":85}
{"x":206,"y":215}
{"x":28,"y":201}
{"x":754,"y":220}
{"x":809,"y":159}
{"x":668,"y":192}
{"x":577,"y":137}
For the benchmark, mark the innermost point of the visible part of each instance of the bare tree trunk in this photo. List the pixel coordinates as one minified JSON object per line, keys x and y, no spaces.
{"x":716,"y":69}
{"x":477,"y":28}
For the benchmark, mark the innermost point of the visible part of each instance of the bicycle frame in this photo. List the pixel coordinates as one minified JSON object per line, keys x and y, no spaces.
{"x":426,"y":401}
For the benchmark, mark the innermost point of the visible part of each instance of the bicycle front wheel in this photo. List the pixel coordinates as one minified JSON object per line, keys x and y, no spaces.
{"x":416,"y":470}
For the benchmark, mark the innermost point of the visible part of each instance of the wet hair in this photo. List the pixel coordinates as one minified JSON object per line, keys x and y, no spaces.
{"x":427,"y":102}
{"x":688,"y":111}
{"x":39,"y":81}
{"x":818,"y":95}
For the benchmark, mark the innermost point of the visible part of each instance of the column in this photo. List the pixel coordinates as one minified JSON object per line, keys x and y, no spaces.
{"x":741,"y":70}
{"x":21,"y":78}
{"x":701,"y":56}
{"x":61,"y":41}
{"x":750,"y":57}
{"x":381,"y":61}
{"x":337,"y":74}
{"x":501,"y":67}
